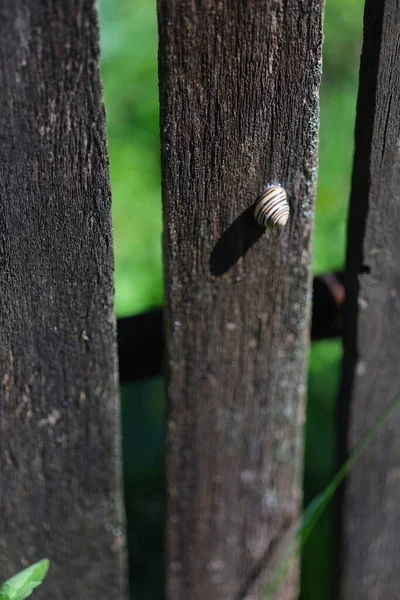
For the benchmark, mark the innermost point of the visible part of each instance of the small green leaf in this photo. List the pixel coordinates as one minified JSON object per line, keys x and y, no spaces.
{"x":22,"y":585}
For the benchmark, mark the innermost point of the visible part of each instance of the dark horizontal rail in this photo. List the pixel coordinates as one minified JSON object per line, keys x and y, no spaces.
{"x":140,"y":345}
{"x":328,"y":298}
{"x":141,"y":339}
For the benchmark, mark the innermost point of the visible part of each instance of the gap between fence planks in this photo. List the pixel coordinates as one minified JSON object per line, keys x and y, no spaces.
{"x":239,"y":109}
{"x":59,"y":422}
{"x":369,"y":552}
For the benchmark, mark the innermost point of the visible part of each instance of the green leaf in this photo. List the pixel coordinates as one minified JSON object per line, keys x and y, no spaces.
{"x":22,"y":585}
{"x":301,"y":532}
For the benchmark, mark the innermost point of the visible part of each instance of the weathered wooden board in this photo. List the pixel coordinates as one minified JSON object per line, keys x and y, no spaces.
{"x":370,"y":548}
{"x":239,"y":109}
{"x":59,"y":441}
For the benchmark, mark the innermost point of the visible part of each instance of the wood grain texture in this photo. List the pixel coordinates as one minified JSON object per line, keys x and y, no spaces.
{"x":370,"y":549}
{"x":59,"y":431}
{"x":239,"y":110}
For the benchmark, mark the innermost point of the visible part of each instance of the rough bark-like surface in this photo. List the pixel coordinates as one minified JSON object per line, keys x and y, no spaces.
{"x":59,"y":428}
{"x":239,"y":109}
{"x":370,"y":548}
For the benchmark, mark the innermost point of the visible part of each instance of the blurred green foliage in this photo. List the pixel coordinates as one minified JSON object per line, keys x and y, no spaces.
{"x":129,"y":69}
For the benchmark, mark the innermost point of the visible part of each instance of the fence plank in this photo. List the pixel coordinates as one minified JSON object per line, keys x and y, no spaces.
{"x":239,"y":109}
{"x":59,"y":440}
{"x":370,"y":549}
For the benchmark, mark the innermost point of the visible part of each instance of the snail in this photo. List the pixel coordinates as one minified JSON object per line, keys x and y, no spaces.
{"x":272,"y":208}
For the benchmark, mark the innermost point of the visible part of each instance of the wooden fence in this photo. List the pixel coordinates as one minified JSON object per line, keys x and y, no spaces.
{"x":369,"y":548}
{"x":239,"y":84}
{"x":58,"y":411}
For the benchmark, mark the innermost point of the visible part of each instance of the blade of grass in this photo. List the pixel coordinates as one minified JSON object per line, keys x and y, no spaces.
{"x":314,"y":510}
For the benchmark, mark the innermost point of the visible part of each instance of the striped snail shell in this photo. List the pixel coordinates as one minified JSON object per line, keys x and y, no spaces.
{"x":272,"y":208}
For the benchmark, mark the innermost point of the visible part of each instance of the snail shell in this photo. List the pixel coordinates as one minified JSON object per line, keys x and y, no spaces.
{"x":272,"y":208}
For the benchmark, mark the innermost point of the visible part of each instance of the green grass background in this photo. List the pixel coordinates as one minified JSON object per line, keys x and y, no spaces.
{"x":129,"y":70}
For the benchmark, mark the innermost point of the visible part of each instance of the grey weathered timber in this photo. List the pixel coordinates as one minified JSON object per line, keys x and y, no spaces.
{"x":370,"y":548}
{"x":239,"y":109}
{"x":59,"y":441}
